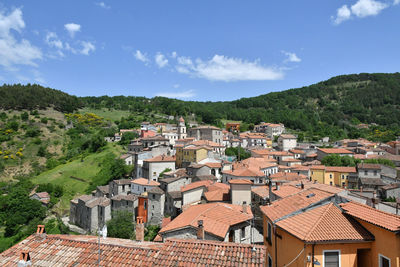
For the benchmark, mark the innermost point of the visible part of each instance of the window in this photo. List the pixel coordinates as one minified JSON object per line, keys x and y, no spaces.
{"x":384,"y":261}
{"x":343,"y":184}
{"x":375,"y":173}
{"x":330,"y":183}
{"x":144,"y":189}
{"x":330,"y":176}
{"x":243,"y":232}
{"x":154,"y":196}
{"x":365,"y":172}
{"x":269,"y":234}
{"x":123,"y":188}
{"x":332,"y":258}
{"x":342,"y":176}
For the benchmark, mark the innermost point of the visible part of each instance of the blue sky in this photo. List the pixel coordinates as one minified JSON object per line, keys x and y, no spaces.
{"x":194,"y":50}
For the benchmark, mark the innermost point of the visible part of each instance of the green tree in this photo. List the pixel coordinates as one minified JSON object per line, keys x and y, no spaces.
{"x":121,"y":225}
{"x":24,"y":116}
{"x":127,"y":137}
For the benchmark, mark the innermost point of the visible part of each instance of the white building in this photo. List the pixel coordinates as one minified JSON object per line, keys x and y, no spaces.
{"x":287,"y":142}
{"x":154,"y":166}
{"x":141,"y":185}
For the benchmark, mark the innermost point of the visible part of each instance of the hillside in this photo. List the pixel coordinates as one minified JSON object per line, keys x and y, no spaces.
{"x":329,"y":108}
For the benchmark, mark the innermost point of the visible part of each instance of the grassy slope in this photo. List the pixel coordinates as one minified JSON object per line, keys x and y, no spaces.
{"x":112,"y":115}
{"x":84,"y":170}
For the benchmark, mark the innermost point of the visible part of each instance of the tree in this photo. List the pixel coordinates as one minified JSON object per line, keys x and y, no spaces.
{"x":233,"y":151}
{"x":127,"y":137}
{"x":24,"y":116}
{"x":121,"y":225}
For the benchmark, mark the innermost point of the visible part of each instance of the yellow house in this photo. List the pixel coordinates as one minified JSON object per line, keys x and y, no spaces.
{"x":190,"y":153}
{"x":326,"y":233}
{"x":335,"y":175}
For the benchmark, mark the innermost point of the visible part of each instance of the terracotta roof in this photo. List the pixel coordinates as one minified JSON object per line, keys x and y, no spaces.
{"x":206,"y":177}
{"x":288,"y":176}
{"x":317,"y":167}
{"x":181,"y":119}
{"x":312,"y":155}
{"x":261,"y":151}
{"x":285,"y":191}
{"x":372,"y":181}
{"x":290,"y":160}
{"x":195,"y":185}
{"x":297,"y":151}
{"x":325,"y":223}
{"x":170,"y":180}
{"x":217,"y":192}
{"x":295,"y":202}
{"x":335,"y":151}
{"x":161,"y":158}
{"x":245,"y":172}
{"x":125,"y":156}
{"x":382,"y":219}
{"x":213,"y":164}
{"x":206,"y":143}
{"x":43,"y":195}
{"x":261,"y":191}
{"x":369,"y":166}
{"x":209,"y":253}
{"x":341,"y":169}
{"x":240,"y":181}
{"x":129,"y":197}
{"x":300,"y":168}
{"x":217,"y":218}
{"x":143,"y":181}
{"x":82,"y":250}
{"x":260,"y":163}
{"x":103,"y":188}
{"x":98,"y":201}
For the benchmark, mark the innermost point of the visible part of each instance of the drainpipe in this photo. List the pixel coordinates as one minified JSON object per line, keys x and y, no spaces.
{"x":276,"y":248}
{"x":312,"y":255}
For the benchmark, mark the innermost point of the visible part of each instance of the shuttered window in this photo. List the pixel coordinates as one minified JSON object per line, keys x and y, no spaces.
{"x":331,"y":259}
{"x":383,"y":261}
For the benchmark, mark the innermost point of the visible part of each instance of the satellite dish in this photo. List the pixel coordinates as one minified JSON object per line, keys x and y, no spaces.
{"x":104,"y":231}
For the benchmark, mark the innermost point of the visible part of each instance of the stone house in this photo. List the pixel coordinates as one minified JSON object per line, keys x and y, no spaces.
{"x":173,"y":203}
{"x":43,"y":197}
{"x":142,"y":185}
{"x":156,"y":202}
{"x":366,"y":170}
{"x":287,"y":142}
{"x":154,"y":166}
{"x":127,"y":158}
{"x":124,"y":203}
{"x":210,"y":133}
{"x":120,"y":187}
{"x":271,"y":129}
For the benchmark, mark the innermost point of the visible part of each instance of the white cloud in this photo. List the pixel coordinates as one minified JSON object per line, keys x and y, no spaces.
{"x":161,"y":60}
{"x":12,"y":51}
{"x":72,"y":28}
{"x":141,"y":56}
{"x":361,"y":9}
{"x":222,"y":68}
{"x":102,"y":5}
{"x":53,"y":41}
{"x":177,"y":85}
{"x":174,"y":54}
{"x":396,"y":2}
{"x":291,"y":57}
{"x":183,"y":94}
{"x":364,"y":8}
{"x":343,"y":13}
{"x":87,"y":47}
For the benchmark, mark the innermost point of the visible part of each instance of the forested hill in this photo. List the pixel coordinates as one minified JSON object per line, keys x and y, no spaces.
{"x":328,"y":108}
{"x":33,"y":96}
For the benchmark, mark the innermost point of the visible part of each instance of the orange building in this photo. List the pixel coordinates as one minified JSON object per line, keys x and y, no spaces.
{"x":310,"y":229}
{"x":232,"y":127}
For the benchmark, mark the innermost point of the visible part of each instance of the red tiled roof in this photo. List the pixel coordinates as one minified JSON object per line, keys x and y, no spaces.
{"x":213,"y":164}
{"x":292,"y":203}
{"x":209,"y":253}
{"x":341,"y":169}
{"x":161,"y":158}
{"x":288,"y":176}
{"x":261,"y":191}
{"x":43,"y":195}
{"x":325,"y":223}
{"x":285,"y":191}
{"x":217,"y":218}
{"x":335,"y":151}
{"x":82,"y":250}
{"x":143,"y":181}
{"x":195,"y":185}
{"x":244,"y":172}
{"x":240,"y":181}
{"x":288,"y":136}
{"x":369,"y":166}
{"x":383,"y":219}
{"x":217,"y":192}
{"x":297,"y":151}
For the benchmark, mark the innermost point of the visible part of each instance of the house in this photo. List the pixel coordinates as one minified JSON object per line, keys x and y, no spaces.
{"x":244,"y":171}
{"x":298,"y":153}
{"x":219,"y":221}
{"x":249,"y":140}
{"x":90,"y":212}
{"x":192,"y":193}
{"x":210,"y":133}
{"x":271,"y":129}
{"x":287,"y":142}
{"x":240,"y":190}
{"x":127,"y":158}
{"x":323,"y":152}
{"x":120,"y":187}
{"x":368,"y":170}
{"x":191,"y":153}
{"x":82,"y":250}
{"x":171,"y":136}
{"x":156,"y":205}
{"x":142,"y":185}
{"x":333,"y":175}
{"x":154,"y":166}
{"x":233,"y":127}
{"x":266,"y":166}
{"x":152,"y":141}
{"x":43,"y":197}
{"x":124,"y":203}
{"x":217,"y":192}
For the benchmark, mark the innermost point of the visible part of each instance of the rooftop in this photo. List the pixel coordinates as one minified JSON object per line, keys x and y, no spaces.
{"x":161,"y":158}
{"x":82,"y":250}
{"x":195,"y":185}
{"x":335,"y":151}
{"x":365,"y":213}
{"x":217,"y":218}
{"x":325,"y":223}
{"x":261,"y":191}
{"x":143,"y":181}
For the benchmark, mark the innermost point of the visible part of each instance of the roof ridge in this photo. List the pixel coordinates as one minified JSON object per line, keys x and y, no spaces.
{"x":327,"y":208}
{"x":366,"y":206}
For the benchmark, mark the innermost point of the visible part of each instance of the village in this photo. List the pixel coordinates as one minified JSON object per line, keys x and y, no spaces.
{"x":281,"y":197}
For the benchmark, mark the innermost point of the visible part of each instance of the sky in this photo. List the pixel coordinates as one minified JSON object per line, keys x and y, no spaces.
{"x":194,"y":50}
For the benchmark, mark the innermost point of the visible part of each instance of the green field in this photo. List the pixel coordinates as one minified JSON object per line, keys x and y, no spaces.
{"x":112,"y":114}
{"x":75,"y":176}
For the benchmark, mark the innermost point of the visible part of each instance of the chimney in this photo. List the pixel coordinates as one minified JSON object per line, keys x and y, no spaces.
{"x":244,"y":207}
{"x":24,"y":259}
{"x":301,"y":185}
{"x":40,"y":229}
{"x":139,"y":229}
{"x":200,"y":230}
{"x":277,"y":186}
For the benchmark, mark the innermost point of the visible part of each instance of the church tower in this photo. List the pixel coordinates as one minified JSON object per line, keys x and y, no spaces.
{"x":181,"y":129}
